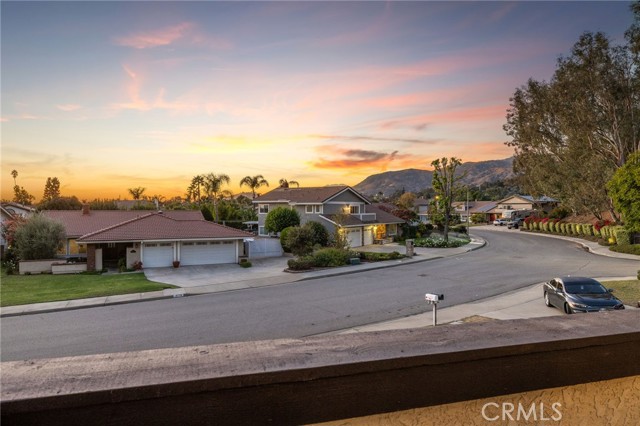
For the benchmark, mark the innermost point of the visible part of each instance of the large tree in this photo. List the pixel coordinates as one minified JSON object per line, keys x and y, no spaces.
{"x":254,"y":182}
{"x":446,"y":183}
{"x":280,"y":218}
{"x":20,"y":195}
{"x":570,"y":134}
{"x":51,"y":189}
{"x":624,"y":188}
{"x":137,"y":192}
{"x":39,"y":238}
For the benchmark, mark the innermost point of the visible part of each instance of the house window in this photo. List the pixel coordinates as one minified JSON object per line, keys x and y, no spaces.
{"x":165,"y":244}
{"x":262,"y":231}
{"x":392,"y":229}
{"x":355,"y":209}
{"x":111,"y":245}
{"x":318,"y":208}
{"x":308,"y":209}
{"x":263,"y":208}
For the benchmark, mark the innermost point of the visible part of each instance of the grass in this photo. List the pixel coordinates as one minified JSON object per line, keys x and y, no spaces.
{"x":25,"y":289}
{"x":627,"y":291}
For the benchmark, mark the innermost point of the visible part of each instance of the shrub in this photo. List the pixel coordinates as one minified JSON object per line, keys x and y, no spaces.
{"x":623,"y":236}
{"x":299,"y":240}
{"x":559,"y":213}
{"x":626,"y":248}
{"x":460,"y":229}
{"x":137,"y":265}
{"x":319,"y":234}
{"x":376,"y":257}
{"x":283,"y":239}
{"x":301,"y":263}
{"x":330,"y":256}
{"x":438,"y":243}
{"x":38,"y":238}
{"x":245,"y":264}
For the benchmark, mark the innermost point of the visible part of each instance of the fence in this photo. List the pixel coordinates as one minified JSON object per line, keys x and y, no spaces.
{"x":263,"y":247}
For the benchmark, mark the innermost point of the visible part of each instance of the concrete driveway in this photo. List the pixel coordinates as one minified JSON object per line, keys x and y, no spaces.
{"x":204,"y":275}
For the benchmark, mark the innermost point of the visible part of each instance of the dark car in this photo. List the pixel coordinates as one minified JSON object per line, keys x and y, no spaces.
{"x":516,"y":223}
{"x":579,"y":294}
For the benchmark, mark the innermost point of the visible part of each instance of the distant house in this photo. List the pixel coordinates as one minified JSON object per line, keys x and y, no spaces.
{"x":492,"y":210}
{"x":9,"y":211}
{"x":157,"y":239}
{"x":335,"y":207}
{"x":422,"y":209}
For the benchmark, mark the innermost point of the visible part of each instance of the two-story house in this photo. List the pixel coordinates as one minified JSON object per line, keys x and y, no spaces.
{"x":335,"y":207}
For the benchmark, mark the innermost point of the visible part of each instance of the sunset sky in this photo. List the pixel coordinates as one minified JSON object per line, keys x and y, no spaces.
{"x":113,"y":95}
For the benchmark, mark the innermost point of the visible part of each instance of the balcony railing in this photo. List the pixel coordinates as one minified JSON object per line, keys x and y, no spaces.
{"x":329,"y":378}
{"x":365,"y":217}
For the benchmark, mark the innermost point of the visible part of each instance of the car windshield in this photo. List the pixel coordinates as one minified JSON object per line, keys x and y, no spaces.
{"x":585,"y":288}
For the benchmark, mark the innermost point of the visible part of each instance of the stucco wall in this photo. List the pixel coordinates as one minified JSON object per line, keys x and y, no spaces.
{"x":606,"y":403}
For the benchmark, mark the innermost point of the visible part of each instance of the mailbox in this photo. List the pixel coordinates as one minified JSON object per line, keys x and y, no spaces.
{"x":433,"y":298}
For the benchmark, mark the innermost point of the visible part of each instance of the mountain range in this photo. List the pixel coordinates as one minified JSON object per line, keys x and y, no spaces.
{"x":415,"y":180}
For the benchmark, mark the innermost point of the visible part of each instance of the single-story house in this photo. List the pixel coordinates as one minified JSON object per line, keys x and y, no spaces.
{"x":335,"y":207}
{"x":157,"y":239}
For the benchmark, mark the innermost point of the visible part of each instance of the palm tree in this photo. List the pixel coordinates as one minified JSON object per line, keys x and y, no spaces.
{"x":285,"y":183}
{"x":14,"y":173}
{"x":254,"y":182}
{"x":136,"y":193}
{"x":194,"y":190}
{"x":213,"y":186}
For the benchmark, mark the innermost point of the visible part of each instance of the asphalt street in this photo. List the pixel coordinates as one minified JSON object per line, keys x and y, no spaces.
{"x":509,"y":261}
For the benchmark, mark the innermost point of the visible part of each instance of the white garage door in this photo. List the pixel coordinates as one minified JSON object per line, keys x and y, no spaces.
{"x":157,"y":255}
{"x":208,"y":253}
{"x":354,"y":237}
{"x":368,"y":235}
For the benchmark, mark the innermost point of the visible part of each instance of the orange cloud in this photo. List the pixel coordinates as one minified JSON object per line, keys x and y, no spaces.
{"x":359,"y":159}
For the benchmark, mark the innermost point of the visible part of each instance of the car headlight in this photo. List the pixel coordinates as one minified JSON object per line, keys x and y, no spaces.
{"x":578,"y":305}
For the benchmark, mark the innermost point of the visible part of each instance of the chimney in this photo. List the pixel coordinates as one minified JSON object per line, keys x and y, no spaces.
{"x":85,"y":209}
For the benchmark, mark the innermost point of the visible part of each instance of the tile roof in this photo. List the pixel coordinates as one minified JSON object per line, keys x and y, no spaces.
{"x":382,"y":217}
{"x":157,"y":226}
{"x":77,"y":224}
{"x":304,"y":195}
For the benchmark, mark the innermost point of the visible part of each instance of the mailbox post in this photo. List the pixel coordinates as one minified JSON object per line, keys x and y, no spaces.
{"x":433,"y":299}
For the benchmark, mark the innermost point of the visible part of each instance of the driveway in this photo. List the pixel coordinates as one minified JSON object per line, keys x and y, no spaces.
{"x":203,"y":275}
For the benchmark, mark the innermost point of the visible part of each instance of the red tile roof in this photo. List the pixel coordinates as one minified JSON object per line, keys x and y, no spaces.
{"x":157,"y":226}
{"x":77,"y":224}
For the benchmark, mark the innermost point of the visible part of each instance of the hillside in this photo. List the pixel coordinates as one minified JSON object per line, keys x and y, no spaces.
{"x":414,"y":180}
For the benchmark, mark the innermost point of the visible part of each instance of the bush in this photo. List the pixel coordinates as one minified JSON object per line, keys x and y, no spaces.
{"x":438,"y":243}
{"x":246,"y":264}
{"x":559,"y":213}
{"x":299,"y":240}
{"x":301,"y":263}
{"x":38,"y":238}
{"x":283,"y":239}
{"x":623,"y":237}
{"x":460,"y":229}
{"x":626,"y":248}
{"x":319,"y":234}
{"x":330,"y":256}
{"x":377,"y":257}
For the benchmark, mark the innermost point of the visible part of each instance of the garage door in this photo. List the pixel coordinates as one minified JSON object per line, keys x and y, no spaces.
{"x":354,"y":237}
{"x":208,"y":253}
{"x":157,"y":255}
{"x":368,"y":235}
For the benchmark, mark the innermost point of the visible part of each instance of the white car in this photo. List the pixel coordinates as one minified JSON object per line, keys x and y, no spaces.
{"x":500,"y":222}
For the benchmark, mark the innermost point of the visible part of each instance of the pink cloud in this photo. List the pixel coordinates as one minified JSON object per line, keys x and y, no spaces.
{"x":184,"y":32}
{"x":360,"y":159}
{"x":68,"y":107}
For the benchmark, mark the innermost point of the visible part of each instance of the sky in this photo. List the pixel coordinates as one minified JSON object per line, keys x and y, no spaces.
{"x":107,"y":96}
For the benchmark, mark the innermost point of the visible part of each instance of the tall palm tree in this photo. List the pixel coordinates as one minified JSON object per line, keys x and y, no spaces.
{"x":194,"y":191}
{"x":254,"y":182}
{"x":285,"y":183}
{"x":213,"y":187}
{"x":14,"y":173}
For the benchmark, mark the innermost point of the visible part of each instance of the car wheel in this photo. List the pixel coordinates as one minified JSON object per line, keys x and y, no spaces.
{"x":567,"y":309}
{"x":546,"y":300}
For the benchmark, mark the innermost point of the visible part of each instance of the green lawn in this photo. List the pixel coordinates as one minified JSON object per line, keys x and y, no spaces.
{"x":627,"y":291}
{"x":25,"y":289}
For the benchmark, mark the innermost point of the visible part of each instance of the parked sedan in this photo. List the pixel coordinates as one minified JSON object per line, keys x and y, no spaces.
{"x":579,"y":294}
